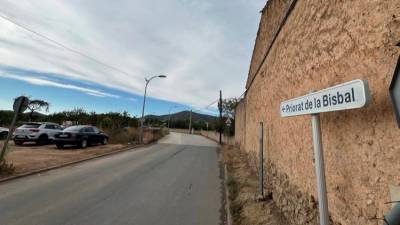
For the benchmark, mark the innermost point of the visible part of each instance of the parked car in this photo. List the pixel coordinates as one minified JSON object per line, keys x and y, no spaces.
{"x":81,"y":136}
{"x":3,"y":132}
{"x":41,"y":133}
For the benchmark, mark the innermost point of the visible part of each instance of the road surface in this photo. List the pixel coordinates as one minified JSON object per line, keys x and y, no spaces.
{"x":174,"y":182}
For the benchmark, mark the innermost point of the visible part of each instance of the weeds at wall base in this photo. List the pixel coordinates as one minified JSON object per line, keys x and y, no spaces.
{"x":242,"y":185}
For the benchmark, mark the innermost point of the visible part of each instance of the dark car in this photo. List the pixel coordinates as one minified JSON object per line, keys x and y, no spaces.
{"x":81,"y":136}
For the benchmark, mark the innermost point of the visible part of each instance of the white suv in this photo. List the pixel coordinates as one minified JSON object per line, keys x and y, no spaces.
{"x":41,"y":133}
{"x":3,"y":132}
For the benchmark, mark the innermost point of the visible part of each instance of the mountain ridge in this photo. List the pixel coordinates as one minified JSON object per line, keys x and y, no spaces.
{"x":185,"y":115}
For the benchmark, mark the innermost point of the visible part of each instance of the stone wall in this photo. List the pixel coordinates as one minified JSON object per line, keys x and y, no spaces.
{"x":324,"y":43}
{"x":214,"y":135}
{"x":272,"y":15}
{"x":240,"y":121}
{"x":299,"y":208}
{"x":153,"y":134}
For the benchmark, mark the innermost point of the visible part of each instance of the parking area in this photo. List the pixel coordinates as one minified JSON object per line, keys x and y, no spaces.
{"x":30,"y":157}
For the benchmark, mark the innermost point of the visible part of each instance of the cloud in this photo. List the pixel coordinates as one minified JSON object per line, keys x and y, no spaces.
{"x":49,"y":83}
{"x":203,"y":46}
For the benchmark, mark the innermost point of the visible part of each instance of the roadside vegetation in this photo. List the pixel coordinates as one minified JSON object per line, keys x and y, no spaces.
{"x":120,"y":127}
{"x":111,"y":120}
{"x":242,"y":183}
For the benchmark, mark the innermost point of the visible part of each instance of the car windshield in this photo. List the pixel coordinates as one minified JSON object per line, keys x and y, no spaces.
{"x":72,"y":129}
{"x":31,"y":125}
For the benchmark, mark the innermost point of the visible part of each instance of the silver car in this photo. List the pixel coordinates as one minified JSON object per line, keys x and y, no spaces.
{"x":40,"y":133}
{"x":3,"y":132}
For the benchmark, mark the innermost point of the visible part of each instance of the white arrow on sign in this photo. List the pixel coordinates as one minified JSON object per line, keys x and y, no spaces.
{"x":350,"y":95}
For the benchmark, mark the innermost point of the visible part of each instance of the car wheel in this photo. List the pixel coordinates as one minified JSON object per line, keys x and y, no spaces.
{"x":83,"y":143}
{"x":105,"y":141}
{"x":18,"y":143}
{"x":3,"y":135}
{"x":60,"y":146}
{"x":43,"y":140}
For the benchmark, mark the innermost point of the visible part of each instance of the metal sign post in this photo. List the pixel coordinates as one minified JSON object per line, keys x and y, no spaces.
{"x":320,"y":170}
{"x":261,"y":160}
{"x":20,"y":105}
{"x":349,"y":95}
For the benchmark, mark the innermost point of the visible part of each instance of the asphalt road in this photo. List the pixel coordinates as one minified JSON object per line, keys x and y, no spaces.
{"x":174,"y":182}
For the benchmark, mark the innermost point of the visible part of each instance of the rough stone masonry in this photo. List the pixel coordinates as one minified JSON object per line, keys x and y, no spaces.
{"x":322,"y":44}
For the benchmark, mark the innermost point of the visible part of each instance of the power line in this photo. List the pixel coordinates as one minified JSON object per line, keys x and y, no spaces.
{"x":203,"y":108}
{"x":7,"y":18}
{"x":212,"y":103}
{"x":2,"y":15}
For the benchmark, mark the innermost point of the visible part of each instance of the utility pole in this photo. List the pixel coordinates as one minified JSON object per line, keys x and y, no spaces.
{"x":169,"y":116}
{"x":220,"y":117}
{"x":190,"y":122}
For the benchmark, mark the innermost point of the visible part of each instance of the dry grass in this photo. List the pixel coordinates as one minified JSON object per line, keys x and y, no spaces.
{"x":131,"y":135}
{"x":123,"y":136}
{"x":243,"y":190}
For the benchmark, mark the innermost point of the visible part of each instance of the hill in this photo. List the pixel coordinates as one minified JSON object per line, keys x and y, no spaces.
{"x":184,"y":115}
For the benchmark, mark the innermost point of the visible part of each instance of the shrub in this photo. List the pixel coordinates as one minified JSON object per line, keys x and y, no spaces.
{"x":122,"y":136}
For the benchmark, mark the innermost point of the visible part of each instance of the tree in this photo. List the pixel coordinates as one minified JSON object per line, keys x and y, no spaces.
{"x":106,"y":122}
{"x":229,"y":106}
{"x":37,"y":105}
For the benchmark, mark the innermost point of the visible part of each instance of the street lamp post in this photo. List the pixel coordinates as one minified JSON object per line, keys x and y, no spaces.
{"x":144,"y":104}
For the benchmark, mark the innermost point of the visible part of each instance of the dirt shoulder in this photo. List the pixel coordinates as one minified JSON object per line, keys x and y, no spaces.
{"x":243,"y":190}
{"x":30,"y":157}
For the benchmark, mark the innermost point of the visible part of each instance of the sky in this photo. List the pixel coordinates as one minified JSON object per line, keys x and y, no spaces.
{"x":96,"y":54}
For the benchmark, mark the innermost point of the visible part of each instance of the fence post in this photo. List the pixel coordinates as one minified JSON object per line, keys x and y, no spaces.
{"x":261,"y":159}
